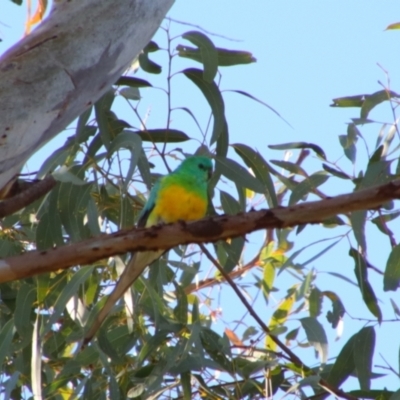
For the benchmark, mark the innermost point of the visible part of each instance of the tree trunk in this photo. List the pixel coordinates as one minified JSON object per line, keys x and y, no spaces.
{"x":65,"y":65}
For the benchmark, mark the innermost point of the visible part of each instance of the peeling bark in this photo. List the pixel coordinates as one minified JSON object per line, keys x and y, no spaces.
{"x":51,"y":76}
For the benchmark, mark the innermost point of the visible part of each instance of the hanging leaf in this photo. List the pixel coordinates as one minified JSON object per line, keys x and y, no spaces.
{"x":391,"y":279}
{"x":163,"y":136}
{"x":367,"y":292}
{"x":364,"y":345}
{"x":259,"y":166}
{"x":209,"y":55}
{"x":236,"y":173}
{"x":213,"y":96}
{"x":299,"y":145}
{"x":225,"y":57}
{"x":316,"y":336}
{"x":338,"y":310}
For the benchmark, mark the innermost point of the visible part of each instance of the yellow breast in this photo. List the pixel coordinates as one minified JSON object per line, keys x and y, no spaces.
{"x":176,"y":203}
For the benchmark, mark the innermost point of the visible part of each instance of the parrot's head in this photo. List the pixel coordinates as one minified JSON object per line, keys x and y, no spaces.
{"x":199,"y":166}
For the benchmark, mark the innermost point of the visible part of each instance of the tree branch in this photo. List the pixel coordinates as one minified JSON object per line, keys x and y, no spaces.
{"x":206,"y":230}
{"x":33,"y":192}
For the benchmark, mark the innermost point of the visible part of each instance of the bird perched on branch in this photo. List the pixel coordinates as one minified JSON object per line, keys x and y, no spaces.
{"x":178,"y":196}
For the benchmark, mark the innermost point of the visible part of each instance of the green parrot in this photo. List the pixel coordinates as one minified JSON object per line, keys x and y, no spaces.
{"x":179,"y":196}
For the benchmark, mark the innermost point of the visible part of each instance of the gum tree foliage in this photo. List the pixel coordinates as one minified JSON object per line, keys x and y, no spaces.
{"x":169,"y":347}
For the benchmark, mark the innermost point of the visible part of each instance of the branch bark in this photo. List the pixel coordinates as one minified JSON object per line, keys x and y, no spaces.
{"x":52,"y":75}
{"x":206,"y":230}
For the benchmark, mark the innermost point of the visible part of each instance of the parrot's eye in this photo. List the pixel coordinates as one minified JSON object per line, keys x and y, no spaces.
{"x":201,"y":166}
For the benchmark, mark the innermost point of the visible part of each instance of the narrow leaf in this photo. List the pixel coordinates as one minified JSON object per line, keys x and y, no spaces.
{"x":209,"y":55}
{"x":213,"y":96}
{"x":300,"y":145}
{"x":391,"y":279}
{"x":367,"y":292}
{"x":163,"y":136}
{"x":316,"y":336}
{"x":236,"y":173}
{"x":364,"y":346}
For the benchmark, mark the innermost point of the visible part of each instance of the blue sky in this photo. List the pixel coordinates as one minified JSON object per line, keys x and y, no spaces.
{"x":308,"y":53}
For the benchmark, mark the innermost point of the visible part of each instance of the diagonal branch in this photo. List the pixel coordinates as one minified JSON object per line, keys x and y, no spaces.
{"x":206,"y":230}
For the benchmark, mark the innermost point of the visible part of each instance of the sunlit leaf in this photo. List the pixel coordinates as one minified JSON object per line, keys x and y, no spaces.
{"x":349,"y":101}
{"x":395,"y":25}
{"x":278,"y":319}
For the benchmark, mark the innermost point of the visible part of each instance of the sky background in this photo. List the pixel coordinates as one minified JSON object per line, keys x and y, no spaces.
{"x":307,"y":53}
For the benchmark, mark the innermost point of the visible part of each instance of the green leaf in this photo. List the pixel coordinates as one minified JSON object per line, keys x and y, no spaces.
{"x":261,"y":170}
{"x":130,"y":93}
{"x":358,"y":219}
{"x":181,"y":309}
{"x":132,"y":82}
{"x":212,"y":344}
{"x":148,"y":65}
{"x":396,"y":25}
{"x":236,"y":173}
{"x":315,"y":302}
{"x":391,"y":279}
{"x":163,"y":136}
{"x":213,"y":96}
{"x":102,"y":108}
{"x":316,"y":336}
{"x":289,"y":166}
{"x":131,"y":141}
{"x":374,"y":394}
{"x":258,"y":101}
{"x":374,"y":99}
{"x":72,"y":206}
{"x":49,"y":231}
{"x":299,"y":145}
{"x":6,"y":336}
{"x":364,"y":346}
{"x":186,"y":385}
{"x":367,"y":292}
{"x":82,"y":121}
{"x":307,"y":185}
{"x":229,"y":204}
{"x":344,"y":365}
{"x":349,"y":101}
{"x":26,"y":298}
{"x":226,"y":58}
{"x":209,"y":55}
{"x":335,"y":172}
{"x":55,"y":160}
{"x":67,"y":292}
{"x":338,"y":310}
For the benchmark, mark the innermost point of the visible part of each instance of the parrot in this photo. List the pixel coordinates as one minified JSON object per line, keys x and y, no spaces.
{"x":181,"y":195}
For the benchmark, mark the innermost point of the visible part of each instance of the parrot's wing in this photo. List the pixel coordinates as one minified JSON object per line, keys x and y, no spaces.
{"x":132,"y":271}
{"x":149,"y":206}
